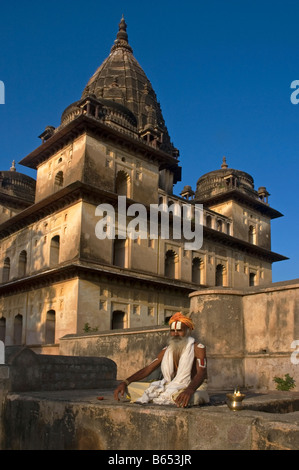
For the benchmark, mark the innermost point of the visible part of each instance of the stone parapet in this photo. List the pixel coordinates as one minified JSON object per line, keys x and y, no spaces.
{"x":29,"y":371}
{"x":130,"y":349}
{"x":250,"y":334}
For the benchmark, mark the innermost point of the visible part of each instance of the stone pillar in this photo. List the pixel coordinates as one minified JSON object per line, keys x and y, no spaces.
{"x":218,"y":317}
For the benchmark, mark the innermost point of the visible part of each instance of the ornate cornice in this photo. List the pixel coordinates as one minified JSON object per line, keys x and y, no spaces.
{"x":88,"y":124}
{"x":238,"y":244}
{"x":84,"y":269}
{"x":242,"y":198}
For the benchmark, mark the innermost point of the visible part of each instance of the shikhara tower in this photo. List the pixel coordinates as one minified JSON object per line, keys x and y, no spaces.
{"x":57,"y":277}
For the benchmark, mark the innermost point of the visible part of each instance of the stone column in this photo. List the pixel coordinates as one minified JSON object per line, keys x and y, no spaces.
{"x":218,"y":317}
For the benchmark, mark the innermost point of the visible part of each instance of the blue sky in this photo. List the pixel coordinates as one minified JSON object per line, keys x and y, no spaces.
{"x":221,"y":69}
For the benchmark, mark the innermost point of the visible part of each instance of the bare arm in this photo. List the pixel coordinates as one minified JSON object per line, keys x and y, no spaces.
{"x":201,"y":374}
{"x":139,"y":375}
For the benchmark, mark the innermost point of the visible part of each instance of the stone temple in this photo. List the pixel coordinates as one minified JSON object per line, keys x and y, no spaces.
{"x":58,"y":278}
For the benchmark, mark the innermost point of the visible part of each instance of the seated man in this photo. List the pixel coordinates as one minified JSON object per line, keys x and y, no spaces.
{"x":183,"y":366}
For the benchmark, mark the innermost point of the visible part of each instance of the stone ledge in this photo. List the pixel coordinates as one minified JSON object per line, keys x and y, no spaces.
{"x":78,"y":420}
{"x":274,"y":287}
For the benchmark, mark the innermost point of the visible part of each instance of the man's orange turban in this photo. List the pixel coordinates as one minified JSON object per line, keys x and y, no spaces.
{"x":183,"y":319}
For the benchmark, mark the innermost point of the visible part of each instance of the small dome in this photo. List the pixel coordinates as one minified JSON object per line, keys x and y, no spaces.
{"x":220,"y":181}
{"x":18,"y":185}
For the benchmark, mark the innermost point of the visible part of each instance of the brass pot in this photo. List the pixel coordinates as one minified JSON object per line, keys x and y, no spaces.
{"x":234,"y":401}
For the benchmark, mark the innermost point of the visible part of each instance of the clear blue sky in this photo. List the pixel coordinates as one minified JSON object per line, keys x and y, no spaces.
{"x":221,"y":69}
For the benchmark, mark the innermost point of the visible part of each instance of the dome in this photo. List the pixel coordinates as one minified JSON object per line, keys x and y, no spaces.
{"x":225,"y":179}
{"x":124,"y":96}
{"x":17,"y":185}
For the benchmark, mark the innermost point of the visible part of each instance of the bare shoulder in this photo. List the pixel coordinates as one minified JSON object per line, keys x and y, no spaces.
{"x":199,"y":350}
{"x":161,"y":354}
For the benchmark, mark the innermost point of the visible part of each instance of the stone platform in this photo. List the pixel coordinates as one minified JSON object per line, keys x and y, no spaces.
{"x":78,"y":420}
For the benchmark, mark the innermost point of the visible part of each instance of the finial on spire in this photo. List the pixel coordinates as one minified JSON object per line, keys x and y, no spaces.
{"x":13,"y":167}
{"x":224,"y":164}
{"x":122,"y":36}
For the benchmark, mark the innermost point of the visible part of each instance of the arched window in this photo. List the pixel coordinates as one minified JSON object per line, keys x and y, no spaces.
{"x":209,"y":221}
{"x":171,"y":264}
{"x":122,"y":184}
{"x":119,"y":320}
{"x":252,"y":279}
{"x":252,"y":234}
{"x":58,"y":182}
{"x":120,"y":253}
{"x":6,"y":270}
{"x":54,"y":250}
{"x":50,"y":327}
{"x":196,"y":270}
{"x":219,"y":275}
{"x":18,"y":329}
{"x":2,"y":329}
{"x":22,"y":263}
{"x":219,"y":225}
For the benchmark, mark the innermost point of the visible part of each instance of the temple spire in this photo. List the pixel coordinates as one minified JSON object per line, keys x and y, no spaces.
{"x":224,"y":164}
{"x":122,"y":32}
{"x":122,"y":39}
{"x":13,"y":167}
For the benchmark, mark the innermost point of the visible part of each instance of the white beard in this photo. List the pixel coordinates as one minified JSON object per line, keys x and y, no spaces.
{"x":177,"y":344}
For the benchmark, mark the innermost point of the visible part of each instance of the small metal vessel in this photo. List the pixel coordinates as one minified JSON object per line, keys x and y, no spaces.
{"x":235,"y":400}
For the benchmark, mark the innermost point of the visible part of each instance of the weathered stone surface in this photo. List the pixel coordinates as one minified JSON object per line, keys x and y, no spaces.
{"x":139,"y":346}
{"x":275,"y":434}
{"x":248,"y":334}
{"x":76,"y":420}
{"x":29,"y":371}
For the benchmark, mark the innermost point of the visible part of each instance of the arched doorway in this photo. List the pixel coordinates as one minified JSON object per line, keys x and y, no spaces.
{"x":196,"y":270}
{"x":54,"y":250}
{"x":50,"y":327}
{"x":252,"y":234}
{"x":252,"y":279}
{"x":220,"y":275}
{"x":22,"y":263}
{"x":171,"y":264}
{"x":122,"y":184}
{"x":18,"y":329}
{"x":58,"y":182}
{"x":6,"y":270}
{"x":119,"y":320}
{"x":120,"y":253}
{"x":2,"y":329}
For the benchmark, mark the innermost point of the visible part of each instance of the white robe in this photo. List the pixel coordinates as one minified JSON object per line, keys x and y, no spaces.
{"x":162,"y":391}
